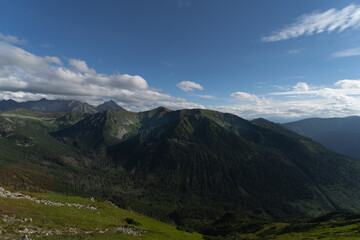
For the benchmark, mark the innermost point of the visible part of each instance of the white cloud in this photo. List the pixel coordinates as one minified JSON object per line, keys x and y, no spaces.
{"x":25,"y":76}
{"x":319,"y":22}
{"x":55,"y":60}
{"x":243,"y":96}
{"x":206,"y":96}
{"x":347,"y":53}
{"x":12,"y":39}
{"x":300,"y":101}
{"x":80,"y":66}
{"x":301,"y":86}
{"x":348,"y":84}
{"x":189,"y":86}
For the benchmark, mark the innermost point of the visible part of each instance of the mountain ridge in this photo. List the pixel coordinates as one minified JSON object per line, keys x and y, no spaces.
{"x":51,"y":106}
{"x":338,"y":134}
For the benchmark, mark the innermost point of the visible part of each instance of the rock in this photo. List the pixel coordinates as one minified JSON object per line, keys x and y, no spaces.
{"x":25,"y":237}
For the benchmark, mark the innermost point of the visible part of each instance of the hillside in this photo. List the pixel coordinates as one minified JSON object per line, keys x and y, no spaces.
{"x":53,"y":216}
{"x":187,"y":167}
{"x":341,"y":135}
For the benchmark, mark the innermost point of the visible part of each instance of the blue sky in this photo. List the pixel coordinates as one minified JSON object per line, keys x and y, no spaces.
{"x":281,"y":60}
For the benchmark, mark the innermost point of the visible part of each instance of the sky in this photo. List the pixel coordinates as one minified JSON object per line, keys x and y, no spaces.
{"x":280,"y":60}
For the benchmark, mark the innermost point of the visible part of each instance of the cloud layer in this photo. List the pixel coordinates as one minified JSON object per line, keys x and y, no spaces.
{"x":25,"y":76}
{"x":319,"y":22}
{"x":299,"y":101}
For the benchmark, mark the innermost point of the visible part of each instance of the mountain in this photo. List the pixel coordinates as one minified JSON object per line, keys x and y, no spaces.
{"x":341,"y":135}
{"x":109,"y":105}
{"x":45,"y":105}
{"x":187,"y":167}
{"x":7,"y":105}
{"x":192,"y":157}
{"x":50,"y":106}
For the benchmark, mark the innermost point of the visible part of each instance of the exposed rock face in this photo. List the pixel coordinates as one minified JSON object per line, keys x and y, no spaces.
{"x":5,"y":129}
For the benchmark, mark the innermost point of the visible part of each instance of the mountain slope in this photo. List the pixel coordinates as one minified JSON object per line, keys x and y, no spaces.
{"x":53,"y":216}
{"x":341,"y":135}
{"x":194,"y":156}
{"x":109,"y":105}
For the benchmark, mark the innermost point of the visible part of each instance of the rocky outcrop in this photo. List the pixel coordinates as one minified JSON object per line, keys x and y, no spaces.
{"x":7,"y":194}
{"x":28,"y":229}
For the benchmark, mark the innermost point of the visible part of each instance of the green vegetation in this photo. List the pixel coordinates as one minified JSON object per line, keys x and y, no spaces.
{"x":185,"y":167}
{"x":331,"y":226}
{"x":63,"y":222}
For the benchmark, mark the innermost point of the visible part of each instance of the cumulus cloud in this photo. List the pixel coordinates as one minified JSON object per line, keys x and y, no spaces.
{"x":189,"y":86}
{"x":25,"y":76}
{"x":301,"y":86}
{"x":243,"y":96}
{"x":12,"y":39}
{"x":319,"y":22}
{"x":347,"y":53}
{"x":348,"y":84}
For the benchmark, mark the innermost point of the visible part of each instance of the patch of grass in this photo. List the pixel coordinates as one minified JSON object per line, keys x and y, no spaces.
{"x":61,"y":218}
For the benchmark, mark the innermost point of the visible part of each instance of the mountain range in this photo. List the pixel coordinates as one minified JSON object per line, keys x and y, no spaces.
{"x":341,"y":135}
{"x":45,"y":105}
{"x":188,"y":167}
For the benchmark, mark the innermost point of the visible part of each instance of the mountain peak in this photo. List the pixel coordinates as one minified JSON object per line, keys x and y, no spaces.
{"x":109,"y":105}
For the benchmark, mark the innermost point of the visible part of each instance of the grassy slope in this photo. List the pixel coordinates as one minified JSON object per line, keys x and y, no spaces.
{"x":332,"y":226}
{"x":106,"y":217}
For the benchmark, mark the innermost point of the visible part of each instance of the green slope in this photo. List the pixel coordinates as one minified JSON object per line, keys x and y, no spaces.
{"x":104,"y":221}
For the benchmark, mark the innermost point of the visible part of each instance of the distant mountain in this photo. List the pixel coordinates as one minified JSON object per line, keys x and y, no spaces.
{"x":109,"y":105}
{"x":44,"y":105}
{"x":338,"y":134}
{"x":7,"y":105}
{"x":49,"y":106}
